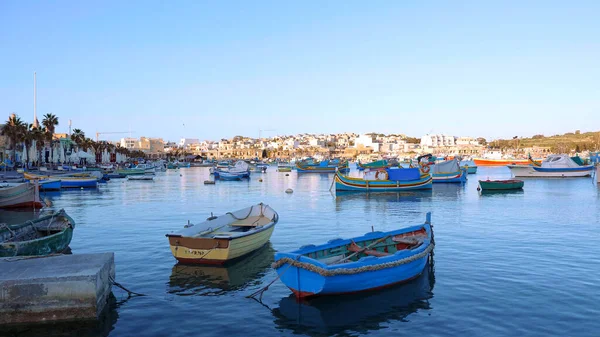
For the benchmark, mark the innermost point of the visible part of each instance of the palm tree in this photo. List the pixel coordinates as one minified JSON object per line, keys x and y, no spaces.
{"x":14,"y":129}
{"x":50,"y":122}
{"x":78,"y":137}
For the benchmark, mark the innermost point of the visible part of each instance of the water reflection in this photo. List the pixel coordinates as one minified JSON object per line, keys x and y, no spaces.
{"x":500,"y":193}
{"x":94,"y":328}
{"x":448,"y":190}
{"x":406,"y":196}
{"x":360,"y":313}
{"x":189,"y":280}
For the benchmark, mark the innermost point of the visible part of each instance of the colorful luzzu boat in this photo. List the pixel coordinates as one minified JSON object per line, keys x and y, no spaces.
{"x":385,"y":180}
{"x":372,"y":261}
{"x":373,"y":165}
{"x":322,"y":167}
{"x":67,"y":181}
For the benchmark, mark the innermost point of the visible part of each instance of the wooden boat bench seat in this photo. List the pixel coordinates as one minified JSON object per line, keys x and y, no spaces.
{"x":251,"y":221}
{"x":371,"y":252}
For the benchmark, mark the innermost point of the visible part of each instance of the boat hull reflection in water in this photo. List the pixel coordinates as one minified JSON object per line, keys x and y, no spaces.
{"x":361,"y":312}
{"x":189,"y":280}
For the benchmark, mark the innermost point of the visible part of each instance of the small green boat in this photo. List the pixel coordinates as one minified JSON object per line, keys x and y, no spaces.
{"x":130,"y":171}
{"x":498,"y":185}
{"x":46,"y":235}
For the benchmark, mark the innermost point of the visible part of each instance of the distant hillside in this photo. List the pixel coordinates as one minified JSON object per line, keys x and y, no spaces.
{"x":567,"y":142}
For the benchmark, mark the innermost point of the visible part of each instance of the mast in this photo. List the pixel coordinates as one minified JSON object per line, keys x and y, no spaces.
{"x":34,"y":98}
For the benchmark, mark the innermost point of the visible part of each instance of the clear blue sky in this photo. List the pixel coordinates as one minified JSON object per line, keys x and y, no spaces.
{"x":222,"y":68}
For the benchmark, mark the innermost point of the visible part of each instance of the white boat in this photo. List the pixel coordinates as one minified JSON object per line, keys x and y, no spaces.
{"x":140,"y":177}
{"x":16,"y":195}
{"x":554,"y":166}
{"x":148,"y":168}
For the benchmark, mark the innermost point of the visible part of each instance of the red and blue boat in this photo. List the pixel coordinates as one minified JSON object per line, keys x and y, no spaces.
{"x":369,"y":262}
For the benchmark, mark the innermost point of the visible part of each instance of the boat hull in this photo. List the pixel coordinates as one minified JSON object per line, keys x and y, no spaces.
{"x":451,"y":177}
{"x":51,"y":244}
{"x":78,"y":183}
{"x":130,"y":172}
{"x":323,"y":169}
{"x":470,"y":169}
{"x":500,"y":162}
{"x":50,"y":185}
{"x":203,"y":251}
{"x":344,"y":183}
{"x":20,"y":196}
{"x":539,"y":172}
{"x":487,"y":185}
{"x":307,"y":277}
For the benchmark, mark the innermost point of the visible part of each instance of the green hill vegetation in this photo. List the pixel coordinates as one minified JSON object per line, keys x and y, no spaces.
{"x":571,"y":141}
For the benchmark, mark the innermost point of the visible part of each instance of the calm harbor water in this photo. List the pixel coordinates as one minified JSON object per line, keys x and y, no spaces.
{"x":523,"y":263}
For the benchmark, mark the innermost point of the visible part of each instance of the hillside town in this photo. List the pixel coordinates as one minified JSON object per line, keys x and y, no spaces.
{"x":342,"y":145}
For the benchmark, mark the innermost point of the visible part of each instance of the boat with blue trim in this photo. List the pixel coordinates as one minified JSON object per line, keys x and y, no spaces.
{"x":372,"y":261}
{"x":324,"y":166}
{"x":385,"y":180}
{"x":448,"y":171}
{"x":554,"y":166}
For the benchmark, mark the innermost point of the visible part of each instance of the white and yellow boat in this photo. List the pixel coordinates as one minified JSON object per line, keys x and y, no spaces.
{"x":224,"y":238}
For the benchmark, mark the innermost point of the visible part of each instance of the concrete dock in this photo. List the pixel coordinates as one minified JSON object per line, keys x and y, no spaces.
{"x":56,"y":288}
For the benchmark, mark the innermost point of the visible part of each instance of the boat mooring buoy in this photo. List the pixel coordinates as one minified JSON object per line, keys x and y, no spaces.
{"x":260,"y":180}
{"x":209,"y":182}
{"x":287,"y":174}
{"x":478,"y":188}
{"x":289,"y":190}
{"x":82,"y":188}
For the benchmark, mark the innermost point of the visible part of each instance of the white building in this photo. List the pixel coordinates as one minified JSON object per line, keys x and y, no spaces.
{"x":437,"y":141}
{"x":188,"y":141}
{"x":465,"y":141}
{"x":129,"y":143}
{"x":365,"y":140}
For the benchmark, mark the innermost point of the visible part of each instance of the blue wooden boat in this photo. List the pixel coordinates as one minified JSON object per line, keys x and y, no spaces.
{"x":50,"y":185}
{"x":229,"y":176}
{"x":372,"y":261}
{"x":394,"y":180}
{"x":469,"y":165}
{"x":338,"y":316}
{"x":322,"y":167}
{"x":72,"y":182}
{"x":373,"y":165}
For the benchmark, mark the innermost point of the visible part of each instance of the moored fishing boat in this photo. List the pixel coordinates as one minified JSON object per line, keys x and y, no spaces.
{"x":385,"y":180}
{"x":501,"y":185}
{"x":148,"y":168}
{"x":67,"y":181}
{"x":322,"y":167}
{"x":284,"y":167}
{"x":372,"y":261}
{"x":554,"y":166}
{"x":224,"y":238}
{"x":228,"y":176}
{"x":19,"y":195}
{"x":49,"y":234}
{"x":130,"y":171}
{"x":144,"y":177}
{"x":240,"y":168}
{"x":372,"y":165}
{"x":469,"y":165}
{"x":499,"y":162}
{"x":446,"y":172}
{"x":50,"y":185}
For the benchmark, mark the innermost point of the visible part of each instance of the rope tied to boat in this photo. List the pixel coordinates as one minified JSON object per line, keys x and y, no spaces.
{"x":244,"y":218}
{"x":351,"y":271}
{"x":129,"y":292}
{"x":262,"y":290}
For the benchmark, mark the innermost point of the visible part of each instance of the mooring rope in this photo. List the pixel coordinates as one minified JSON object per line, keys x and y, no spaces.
{"x":262,"y":290}
{"x":244,"y":218}
{"x":129,"y":292}
{"x":351,"y":271}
